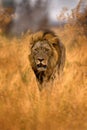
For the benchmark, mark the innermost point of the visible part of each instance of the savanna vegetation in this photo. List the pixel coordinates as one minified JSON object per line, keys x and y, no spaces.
{"x":62,"y":104}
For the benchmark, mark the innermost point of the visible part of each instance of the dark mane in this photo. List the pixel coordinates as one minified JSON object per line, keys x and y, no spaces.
{"x":49,"y":32}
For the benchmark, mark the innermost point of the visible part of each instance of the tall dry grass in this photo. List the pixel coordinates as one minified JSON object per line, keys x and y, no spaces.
{"x":61,"y":105}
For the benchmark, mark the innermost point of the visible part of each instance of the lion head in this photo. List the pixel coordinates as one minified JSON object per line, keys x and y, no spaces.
{"x":47,"y":54}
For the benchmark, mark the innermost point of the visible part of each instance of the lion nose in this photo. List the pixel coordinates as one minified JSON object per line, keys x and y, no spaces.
{"x":40,"y":59}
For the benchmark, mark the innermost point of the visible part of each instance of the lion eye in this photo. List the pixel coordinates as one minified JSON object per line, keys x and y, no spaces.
{"x":36,"y":50}
{"x":47,"y":50}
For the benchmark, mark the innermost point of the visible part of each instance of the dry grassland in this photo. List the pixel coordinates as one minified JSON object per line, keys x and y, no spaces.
{"x":61,"y":105}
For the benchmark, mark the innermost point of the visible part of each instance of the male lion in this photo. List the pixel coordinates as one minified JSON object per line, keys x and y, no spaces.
{"x":47,"y":55}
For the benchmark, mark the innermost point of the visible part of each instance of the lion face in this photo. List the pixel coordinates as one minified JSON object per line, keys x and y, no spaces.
{"x":41,"y":53}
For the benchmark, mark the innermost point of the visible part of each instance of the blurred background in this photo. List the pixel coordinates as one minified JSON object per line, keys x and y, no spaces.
{"x":62,"y":105}
{"x":40,"y":14}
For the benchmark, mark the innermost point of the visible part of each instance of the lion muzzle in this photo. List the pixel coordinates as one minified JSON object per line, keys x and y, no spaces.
{"x":41,"y":64}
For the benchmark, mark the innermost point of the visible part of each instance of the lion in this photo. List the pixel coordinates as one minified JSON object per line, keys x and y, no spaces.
{"x":47,"y":55}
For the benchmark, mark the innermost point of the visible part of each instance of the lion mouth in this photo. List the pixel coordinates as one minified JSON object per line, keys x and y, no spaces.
{"x":41,"y":67}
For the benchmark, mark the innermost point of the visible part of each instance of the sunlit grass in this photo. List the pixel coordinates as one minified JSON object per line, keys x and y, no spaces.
{"x":61,"y":105}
